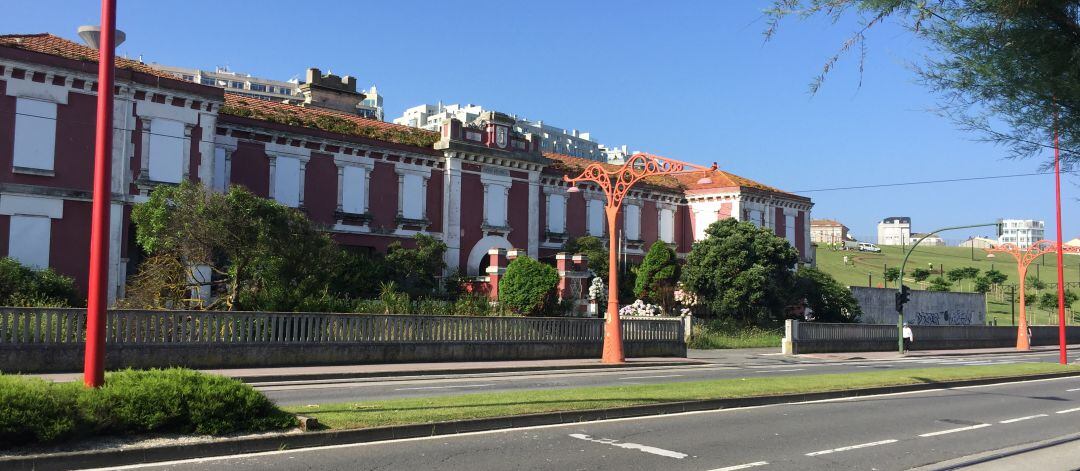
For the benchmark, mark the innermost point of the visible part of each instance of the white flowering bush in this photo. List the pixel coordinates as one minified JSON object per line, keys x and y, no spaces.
{"x":685,"y":297}
{"x":641,"y":308}
{"x":597,"y":290}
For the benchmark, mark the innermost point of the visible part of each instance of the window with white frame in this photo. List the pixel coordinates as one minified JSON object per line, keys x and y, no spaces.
{"x":789,"y":229}
{"x":221,"y":156}
{"x":756,"y":216}
{"x":287,"y":181}
{"x":354,"y":189}
{"x":166,"y":151}
{"x":556,"y":213}
{"x":28,"y":240}
{"x":495,"y":204}
{"x":667,"y":225}
{"x":35,"y":134}
{"x":632,"y":222}
{"x":595,"y":212}
{"x":413,"y":196}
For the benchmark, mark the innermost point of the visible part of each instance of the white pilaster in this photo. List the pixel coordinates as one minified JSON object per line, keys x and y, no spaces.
{"x":534,"y":215}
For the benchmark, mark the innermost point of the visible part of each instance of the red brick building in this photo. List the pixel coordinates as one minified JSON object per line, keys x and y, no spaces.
{"x":476,"y":186}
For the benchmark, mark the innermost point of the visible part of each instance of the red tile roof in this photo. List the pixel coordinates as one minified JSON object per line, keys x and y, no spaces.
{"x":46,"y":43}
{"x":326,"y":120}
{"x":565,"y":164}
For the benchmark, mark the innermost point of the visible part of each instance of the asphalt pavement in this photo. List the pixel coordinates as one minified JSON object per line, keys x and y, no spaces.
{"x":717,"y":365}
{"x":887,"y":432}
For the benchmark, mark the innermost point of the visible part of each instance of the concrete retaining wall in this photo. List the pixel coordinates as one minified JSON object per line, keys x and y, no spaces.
{"x":812,"y":337}
{"x":925,"y":308}
{"x":52,"y":340}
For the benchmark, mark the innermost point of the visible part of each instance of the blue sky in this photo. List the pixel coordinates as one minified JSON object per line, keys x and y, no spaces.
{"x":689,"y":80}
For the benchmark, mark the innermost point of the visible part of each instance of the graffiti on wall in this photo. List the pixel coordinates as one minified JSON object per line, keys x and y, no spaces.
{"x":943,"y":318}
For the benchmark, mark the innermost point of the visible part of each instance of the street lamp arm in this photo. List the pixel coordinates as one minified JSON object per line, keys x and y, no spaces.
{"x":615,"y":183}
{"x":903,"y":266}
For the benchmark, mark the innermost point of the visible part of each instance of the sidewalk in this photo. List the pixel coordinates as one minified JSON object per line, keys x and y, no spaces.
{"x":317,"y":373}
{"x":1074,"y":350}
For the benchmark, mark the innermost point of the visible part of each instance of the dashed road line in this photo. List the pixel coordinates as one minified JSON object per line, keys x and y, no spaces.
{"x":650,"y":377}
{"x":742,"y":466}
{"x":852,"y":447}
{"x":954,"y":430}
{"x":631,"y":446}
{"x":1066,"y":411}
{"x":446,"y":387}
{"x":1020,"y":419}
{"x":1072,"y":390}
{"x":780,"y":371}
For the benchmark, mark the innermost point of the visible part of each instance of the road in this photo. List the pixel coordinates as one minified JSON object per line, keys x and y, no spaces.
{"x":887,"y":432}
{"x":722,"y":365}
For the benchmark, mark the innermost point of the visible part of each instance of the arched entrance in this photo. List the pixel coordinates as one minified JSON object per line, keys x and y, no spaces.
{"x":478,"y":254}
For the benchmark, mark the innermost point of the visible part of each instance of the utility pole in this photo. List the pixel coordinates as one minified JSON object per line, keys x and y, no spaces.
{"x":1012,"y":302}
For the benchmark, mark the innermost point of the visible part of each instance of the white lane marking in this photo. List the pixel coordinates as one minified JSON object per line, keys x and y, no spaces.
{"x":1019,"y":419}
{"x":1072,"y":390}
{"x":631,"y":446}
{"x":852,"y":447}
{"x":1066,"y":411}
{"x":446,"y":387}
{"x":553,"y":426}
{"x":741,"y":466}
{"x":954,"y":430}
{"x":649,"y":377}
{"x":781,"y":371}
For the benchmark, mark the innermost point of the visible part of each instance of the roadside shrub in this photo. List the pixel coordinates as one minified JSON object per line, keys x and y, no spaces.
{"x":35,"y":410}
{"x":133,"y":402}
{"x":528,"y":288}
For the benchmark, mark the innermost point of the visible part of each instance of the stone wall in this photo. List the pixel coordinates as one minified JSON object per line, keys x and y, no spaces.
{"x":925,"y":308}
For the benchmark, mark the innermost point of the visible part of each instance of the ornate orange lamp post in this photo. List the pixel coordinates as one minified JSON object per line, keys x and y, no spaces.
{"x":616,"y":184}
{"x":1024,"y":257}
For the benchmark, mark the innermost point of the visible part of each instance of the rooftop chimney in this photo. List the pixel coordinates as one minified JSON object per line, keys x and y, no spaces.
{"x":331,"y":92}
{"x":92,"y":36}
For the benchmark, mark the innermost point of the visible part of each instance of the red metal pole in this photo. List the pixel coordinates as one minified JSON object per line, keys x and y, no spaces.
{"x":93,"y":366}
{"x":1060,"y":250}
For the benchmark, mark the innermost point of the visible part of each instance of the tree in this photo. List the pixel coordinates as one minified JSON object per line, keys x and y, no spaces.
{"x":1035,"y":283}
{"x":261,"y":255}
{"x":659,"y":271}
{"x":892,"y":274}
{"x":828,"y":300}
{"x":1049,"y":301}
{"x":996,"y":277}
{"x":920,"y":274}
{"x":982,"y":285}
{"x":962,"y":273}
{"x":595,"y":249}
{"x":23,"y":286}
{"x":742,"y":272}
{"x":417,"y":271}
{"x":992,"y":61}
{"x":528,"y":287}
{"x":939,"y":284}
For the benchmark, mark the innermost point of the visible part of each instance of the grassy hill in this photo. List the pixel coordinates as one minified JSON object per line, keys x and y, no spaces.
{"x":866,"y":269}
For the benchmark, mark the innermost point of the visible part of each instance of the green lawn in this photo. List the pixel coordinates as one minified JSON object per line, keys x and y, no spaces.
{"x":473,"y":406}
{"x":864,"y":268}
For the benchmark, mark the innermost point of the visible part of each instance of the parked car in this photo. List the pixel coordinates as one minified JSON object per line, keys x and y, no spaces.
{"x":868,"y":247}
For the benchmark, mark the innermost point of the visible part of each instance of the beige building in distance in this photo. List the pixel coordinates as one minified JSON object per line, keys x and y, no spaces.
{"x":828,"y":231}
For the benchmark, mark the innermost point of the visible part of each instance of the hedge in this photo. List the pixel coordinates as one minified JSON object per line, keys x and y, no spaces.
{"x":177,"y":400}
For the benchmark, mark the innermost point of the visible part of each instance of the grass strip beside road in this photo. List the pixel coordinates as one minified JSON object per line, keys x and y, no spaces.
{"x":366,"y":414}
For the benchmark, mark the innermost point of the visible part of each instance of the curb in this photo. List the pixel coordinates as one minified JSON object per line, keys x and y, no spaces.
{"x":233,"y":446}
{"x":401,"y":373}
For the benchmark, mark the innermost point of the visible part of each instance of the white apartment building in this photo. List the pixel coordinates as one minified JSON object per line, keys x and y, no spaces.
{"x":267,"y":89}
{"x":552,"y":139}
{"x":894,"y":231}
{"x":1021,"y":232}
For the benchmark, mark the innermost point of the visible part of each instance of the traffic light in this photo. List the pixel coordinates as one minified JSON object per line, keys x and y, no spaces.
{"x":902,"y":298}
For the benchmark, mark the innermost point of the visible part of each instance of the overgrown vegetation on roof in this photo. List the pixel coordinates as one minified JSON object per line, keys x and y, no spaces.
{"x":291,"y":116}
